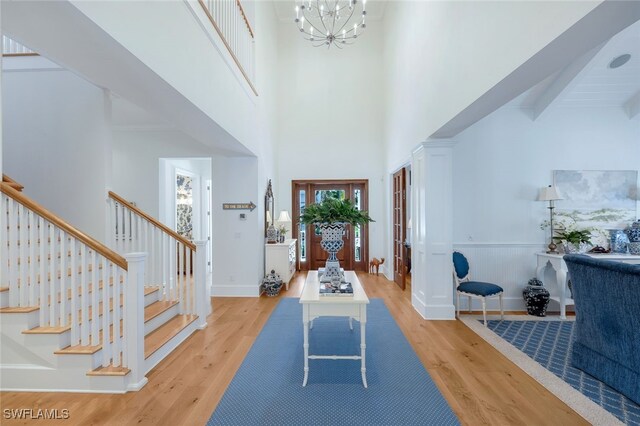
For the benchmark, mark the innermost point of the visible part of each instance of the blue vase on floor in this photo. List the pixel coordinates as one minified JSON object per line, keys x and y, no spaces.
{"x":536,"y":297}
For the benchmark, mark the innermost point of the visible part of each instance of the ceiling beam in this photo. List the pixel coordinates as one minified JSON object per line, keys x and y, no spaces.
{"x":564,"y":82}
{"x":632,"y":106}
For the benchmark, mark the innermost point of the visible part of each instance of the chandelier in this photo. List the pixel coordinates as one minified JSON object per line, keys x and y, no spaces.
{"x":329,"y":22}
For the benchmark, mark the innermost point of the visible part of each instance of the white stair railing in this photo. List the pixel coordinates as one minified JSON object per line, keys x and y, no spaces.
{"x":232,"y":25}
{"x":11,"y":47}
{"x":75,"y":281}
{"x":173,"y":261}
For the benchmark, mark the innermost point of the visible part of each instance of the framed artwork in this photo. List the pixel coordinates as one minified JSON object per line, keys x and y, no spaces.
{"x":604,"y":199}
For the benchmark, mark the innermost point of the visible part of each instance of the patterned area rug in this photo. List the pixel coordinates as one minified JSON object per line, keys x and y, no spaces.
{"x":549,"y":344}
{"x":267,"y":389}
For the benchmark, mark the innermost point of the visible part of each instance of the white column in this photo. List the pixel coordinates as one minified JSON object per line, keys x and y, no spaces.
{"x":203,"y":302}
{"x":432,"y":230}
{"x":1,"y":92}
{"x":134,"y":319}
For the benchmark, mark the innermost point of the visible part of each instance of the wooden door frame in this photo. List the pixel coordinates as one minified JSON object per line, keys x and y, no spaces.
{"x":295,"y":211}
{"x":399,"y":206}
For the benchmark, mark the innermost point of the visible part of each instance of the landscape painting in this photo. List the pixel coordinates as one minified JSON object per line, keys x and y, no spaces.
{"x":597,"y":198}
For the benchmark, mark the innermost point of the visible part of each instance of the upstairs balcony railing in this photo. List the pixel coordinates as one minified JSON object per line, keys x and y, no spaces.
{"x":232,"y":25}
{"x":11,"y":47}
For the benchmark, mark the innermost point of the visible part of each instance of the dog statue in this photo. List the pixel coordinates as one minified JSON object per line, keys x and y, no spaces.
{"x":375,"y":263}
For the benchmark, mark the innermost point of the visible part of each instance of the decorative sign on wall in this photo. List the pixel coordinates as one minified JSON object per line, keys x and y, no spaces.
{"x":239,"y":206}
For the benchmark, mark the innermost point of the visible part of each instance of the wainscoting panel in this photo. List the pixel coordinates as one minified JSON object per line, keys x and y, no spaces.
{"x":508,"y":265}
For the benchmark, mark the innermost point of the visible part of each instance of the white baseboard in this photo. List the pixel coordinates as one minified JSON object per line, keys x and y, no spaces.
{"x":235,"y":290}
{"x":440,"y":312}
{"x":133,"y":387}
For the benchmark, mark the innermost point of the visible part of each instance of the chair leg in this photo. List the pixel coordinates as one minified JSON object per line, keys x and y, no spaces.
{"x":458,"y":307}
{"x":501,"y":308}
{"x":484,"y":310}
{"x":469,"y":304}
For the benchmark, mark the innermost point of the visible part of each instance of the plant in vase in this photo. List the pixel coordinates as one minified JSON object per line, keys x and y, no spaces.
{"x":574,"y":241}
{"x":332,"y":215}
{"x":282,"y":232}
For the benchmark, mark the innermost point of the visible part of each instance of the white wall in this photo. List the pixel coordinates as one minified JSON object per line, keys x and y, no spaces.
{"x":238,"y":245}
{"x":172,"y":34}
{"x":499,"y":165}
{"x":331,"y":118}
{"x":136,"y":166}
{"x":55,"y":143}
{"x":442,"y":56}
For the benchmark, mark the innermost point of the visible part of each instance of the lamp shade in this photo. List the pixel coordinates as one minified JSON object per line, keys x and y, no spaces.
{"x":284,"y":216}
{"x":549,"y":193}
{"x":269,"y":220}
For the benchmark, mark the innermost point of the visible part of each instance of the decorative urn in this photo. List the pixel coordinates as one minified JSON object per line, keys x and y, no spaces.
{"x":619,"y":241}
{"x":633,"y":232}
{"x":272,"y":284}
{"x":536,"y":297}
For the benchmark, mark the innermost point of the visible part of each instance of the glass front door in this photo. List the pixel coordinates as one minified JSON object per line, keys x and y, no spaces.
{"x":311,"y":256}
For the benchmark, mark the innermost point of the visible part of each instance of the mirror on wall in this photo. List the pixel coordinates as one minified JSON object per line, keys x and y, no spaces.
{"x":268,"y":208}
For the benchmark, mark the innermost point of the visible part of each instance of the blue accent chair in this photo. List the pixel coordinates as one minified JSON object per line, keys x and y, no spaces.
{"x":607,"y":335}
{"x":473,"y":289}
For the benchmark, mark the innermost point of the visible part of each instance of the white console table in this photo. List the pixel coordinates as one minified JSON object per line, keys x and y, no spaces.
{"x":281,"y":257}
{"x":559,"y":289}
{"x":352,"y":307}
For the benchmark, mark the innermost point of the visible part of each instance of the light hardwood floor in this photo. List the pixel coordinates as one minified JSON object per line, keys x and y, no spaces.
{"x":480,"y":384}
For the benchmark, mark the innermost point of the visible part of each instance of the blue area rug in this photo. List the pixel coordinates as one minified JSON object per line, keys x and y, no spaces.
{"x":549,"y":343}
{"x":267,"y":389}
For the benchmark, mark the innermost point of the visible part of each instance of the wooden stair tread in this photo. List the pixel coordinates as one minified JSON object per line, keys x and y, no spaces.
{"x":150,"y":289}
{"x":47,"y":330}
{"x":157,"y":338}
{"x":79,"y":350}
{"x":19,"y":310}
{"x":109,"y":371}
{"x":157,"y":308}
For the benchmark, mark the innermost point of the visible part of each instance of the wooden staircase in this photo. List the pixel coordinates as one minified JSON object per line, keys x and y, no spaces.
{"x":74,"y":320}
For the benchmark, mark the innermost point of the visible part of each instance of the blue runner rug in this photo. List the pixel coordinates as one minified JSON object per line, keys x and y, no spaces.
{"x":549,"y":343}
{"x":267,"y":389}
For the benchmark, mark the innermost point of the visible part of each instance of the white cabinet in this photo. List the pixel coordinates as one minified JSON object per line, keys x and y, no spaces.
{"x":281,"y":257}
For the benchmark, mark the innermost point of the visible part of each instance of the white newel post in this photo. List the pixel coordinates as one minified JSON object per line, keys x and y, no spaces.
{"x":432,"y":229}
{"x":134,"y":319}
{"x":200,"y":271}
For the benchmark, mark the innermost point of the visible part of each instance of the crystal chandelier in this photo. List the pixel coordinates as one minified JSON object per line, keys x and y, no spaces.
{"x":329,"y":22}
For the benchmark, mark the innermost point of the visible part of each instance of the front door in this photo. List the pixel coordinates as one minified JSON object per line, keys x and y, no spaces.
{"x":318,"y":254}
{"x":353,"y":255}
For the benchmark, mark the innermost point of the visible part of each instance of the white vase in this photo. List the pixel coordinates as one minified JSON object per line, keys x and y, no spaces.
{"x":575,"y":248}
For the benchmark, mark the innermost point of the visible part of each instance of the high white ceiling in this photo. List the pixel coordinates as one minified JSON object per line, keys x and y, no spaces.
{"x":285,"y":9}
{"x":594,"y":83}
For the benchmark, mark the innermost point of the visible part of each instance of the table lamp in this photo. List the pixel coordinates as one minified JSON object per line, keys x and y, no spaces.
{"x":550,"y":194}
{"x":285,"y":220}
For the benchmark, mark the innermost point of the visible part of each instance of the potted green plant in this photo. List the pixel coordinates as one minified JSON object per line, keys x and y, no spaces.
{"x":574,"y":241}
{"x":333,"y":210}
{"x":331,"y":215}
{"x":282,"y":233}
